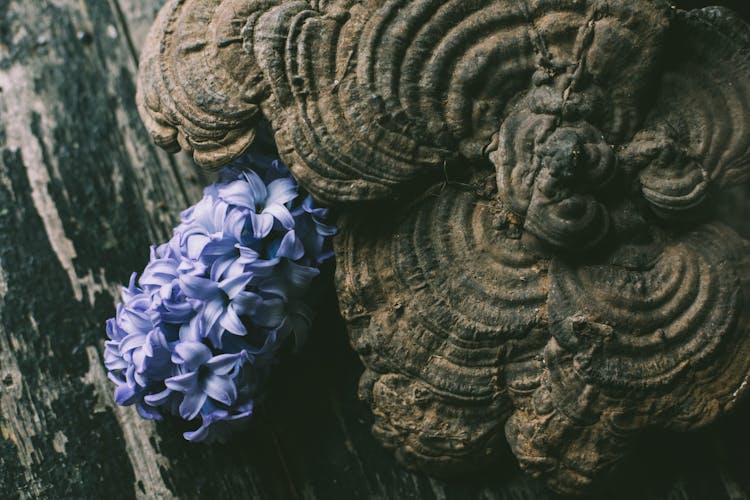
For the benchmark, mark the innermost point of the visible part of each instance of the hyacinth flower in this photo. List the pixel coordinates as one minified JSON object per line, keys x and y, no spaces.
{"x":196,"y":335}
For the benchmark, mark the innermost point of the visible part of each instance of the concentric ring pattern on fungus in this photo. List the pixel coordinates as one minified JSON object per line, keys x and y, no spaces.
{"x":531,"y":251}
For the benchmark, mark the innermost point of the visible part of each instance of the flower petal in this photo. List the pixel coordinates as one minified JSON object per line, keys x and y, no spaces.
{"x":192,"y":331}
{"x":113,"y":361}
{"x":270,"y":313}
{"x":262,"y":224}
{"x":191,"y":354}
{"x":132,"y":342}
{"x":191,"y":404}
{"x":281,"y":191}
{"x":257,"y":186}
{"x":223,"y":364}
{"x":280,"y":213}
{"x":232,"y":322}
{"x":185,"y":383}
{"x":179,"y":312}
{"x":291,"y":246}
{"x":125,"y":395}
{"x":212,"y":313}
{"x":159,"y":273}
{"x":275,"y":285}
{"x":245,"y":302}
{"x":301,"y":276}
{"x":219,"y":388}
{"x":263,"y":268}
{"x":235,"y":223}
{"x":238,"y":193}
{"x":220,"y":266}
{"x":199,"y":288}
{"x":235,"y":285}
{"x":147,"y":411}
{"x":198,"y":435}
{"x":220,"y":210}
{"x":133,"y":321}
{"x":247,"y":255}
{"x":113,"y":331}
{"x":195,"y":244}
{"x":159,"y":398}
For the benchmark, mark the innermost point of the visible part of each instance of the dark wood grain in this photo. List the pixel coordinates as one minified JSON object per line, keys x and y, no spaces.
{"x":82,"y":195}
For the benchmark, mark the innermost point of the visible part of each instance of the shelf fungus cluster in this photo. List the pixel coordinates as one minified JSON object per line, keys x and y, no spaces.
{"x":530,"y":252}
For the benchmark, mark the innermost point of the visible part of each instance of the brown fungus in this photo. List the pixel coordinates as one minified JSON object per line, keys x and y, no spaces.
{"x":654,"y":337}
{"x":697,"y":135}
{"x":198,"y":89}
{"x":416,"y":294}
{"x":589,"y":294}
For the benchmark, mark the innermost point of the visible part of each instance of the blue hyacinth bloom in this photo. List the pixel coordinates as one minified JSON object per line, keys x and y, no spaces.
{"x":196,"y":334}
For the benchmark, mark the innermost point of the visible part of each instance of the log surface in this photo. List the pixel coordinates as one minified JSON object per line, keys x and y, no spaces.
{"x":83,"y":193}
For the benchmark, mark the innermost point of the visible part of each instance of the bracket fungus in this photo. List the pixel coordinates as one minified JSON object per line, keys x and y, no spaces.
{"x":530,"y":249}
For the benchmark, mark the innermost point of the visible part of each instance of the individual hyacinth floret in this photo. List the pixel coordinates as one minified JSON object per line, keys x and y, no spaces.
{"x":197,"y":333}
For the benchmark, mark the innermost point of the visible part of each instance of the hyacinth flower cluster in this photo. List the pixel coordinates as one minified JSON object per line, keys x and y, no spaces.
{"x":197,"y":333}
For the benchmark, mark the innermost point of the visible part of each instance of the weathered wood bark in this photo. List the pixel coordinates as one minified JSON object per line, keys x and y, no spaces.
{"x":82,"y":195}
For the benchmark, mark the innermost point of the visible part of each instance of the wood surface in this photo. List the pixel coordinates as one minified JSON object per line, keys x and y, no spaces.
{"x":82,"y":195}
